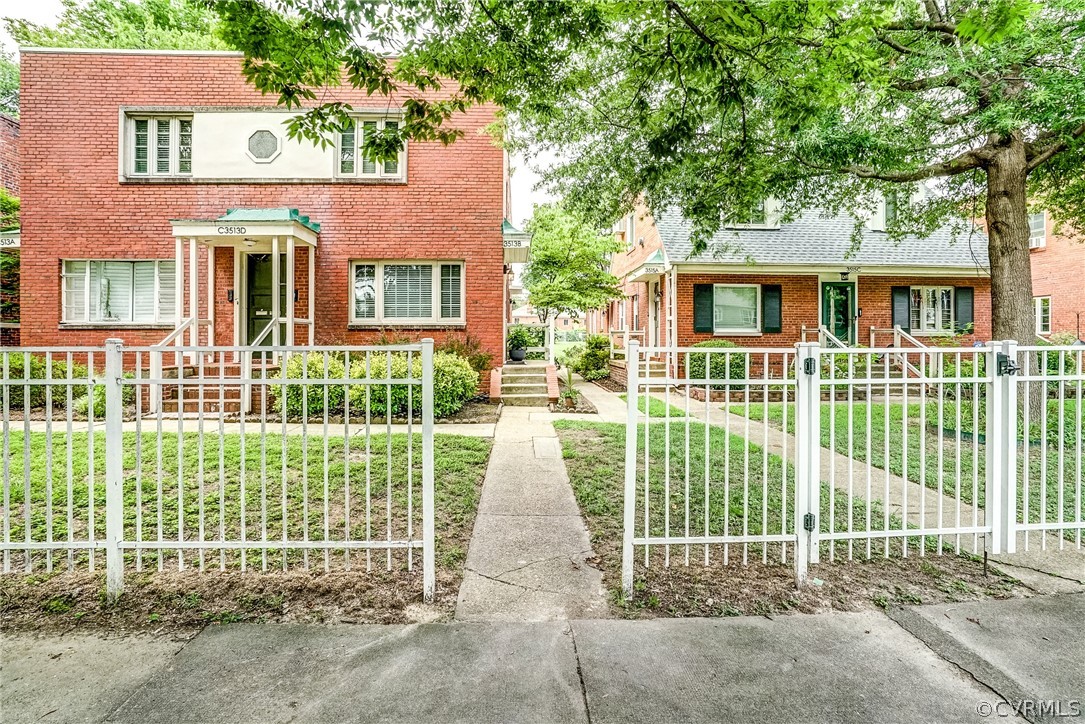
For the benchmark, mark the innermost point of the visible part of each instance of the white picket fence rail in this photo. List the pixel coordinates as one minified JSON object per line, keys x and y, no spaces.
{"x":218,"y":462}
{"x":806,"y":453}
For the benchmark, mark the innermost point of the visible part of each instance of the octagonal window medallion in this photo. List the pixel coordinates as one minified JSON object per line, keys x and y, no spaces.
{"x":263,"y":147}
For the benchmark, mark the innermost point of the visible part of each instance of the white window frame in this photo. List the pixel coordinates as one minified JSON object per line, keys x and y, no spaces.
{"x":1037,"y":241}
{"x":379,"y":173}
{"x":152,"y":145}
{"x":621,"y":315}
{"x":771,"y":220}
{"x":755,"y":329}
{"x":923,"y":308}
{"x":635,"y":299}
{"x":159,"y":318}
{"x":435,"y":288}
{"x":1038,"y":303}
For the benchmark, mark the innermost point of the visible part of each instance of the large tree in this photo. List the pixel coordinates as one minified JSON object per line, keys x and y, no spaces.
{"x":714,"y":106}
{"x":569,"y":270}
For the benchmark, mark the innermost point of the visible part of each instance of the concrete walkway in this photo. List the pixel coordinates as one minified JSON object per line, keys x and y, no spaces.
{"x":528,"y":551}
{"x":946,"y":663}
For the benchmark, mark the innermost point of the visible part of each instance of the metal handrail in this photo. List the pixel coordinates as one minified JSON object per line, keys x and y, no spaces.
{"x":158,"y":351}
{"x":826,"y":336}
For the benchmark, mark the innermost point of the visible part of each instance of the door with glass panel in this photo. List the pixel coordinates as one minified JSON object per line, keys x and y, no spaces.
{"x":259,"y":308}
{"x":838,"y":309}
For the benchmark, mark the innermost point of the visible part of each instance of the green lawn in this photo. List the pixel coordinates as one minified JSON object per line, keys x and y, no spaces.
{"x":656,"y":407}
{"x":758,"y":497}
{"x":239,"y":489}
{"x":883,"y":433}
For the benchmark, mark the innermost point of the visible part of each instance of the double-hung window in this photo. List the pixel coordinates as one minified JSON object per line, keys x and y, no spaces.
{"x":736,"y":308}
{"x":1037,"y":230}
{"x":407,"y":292}
{"x":1043,"y":314}
{"x":353,"y":162}
{"x":118,"y":292}
{"x":932,"y":310}
{"x":159,"y":146}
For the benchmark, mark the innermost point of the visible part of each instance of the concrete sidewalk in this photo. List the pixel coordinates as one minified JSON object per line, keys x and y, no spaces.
{"x":934,"y":663}
{"x":528,"y":551}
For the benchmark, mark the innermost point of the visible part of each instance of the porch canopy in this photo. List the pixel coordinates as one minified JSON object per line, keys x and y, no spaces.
{"x":651,"y":269}
{"x":273,"y":231}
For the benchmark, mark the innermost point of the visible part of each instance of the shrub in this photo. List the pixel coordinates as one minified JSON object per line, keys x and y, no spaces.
{"x":722,"y":368}
{"x":470,"y":348}
{"x":454,"y":383}
{"x":308,"y":399}
{"x":594,"y":362}
{"x":521,"y":337}
{"x":38,"y":369}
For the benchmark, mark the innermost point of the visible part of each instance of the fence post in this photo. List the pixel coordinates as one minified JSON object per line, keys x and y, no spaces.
{"x":807,"y":456}
{"x":1002,"y":445}
{"x":429,"y":572}
{"x":632,"y":385}
{"x":114,"y":468}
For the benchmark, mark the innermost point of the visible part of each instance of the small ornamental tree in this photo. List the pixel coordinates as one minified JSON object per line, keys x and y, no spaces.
{"x":569,"y":270}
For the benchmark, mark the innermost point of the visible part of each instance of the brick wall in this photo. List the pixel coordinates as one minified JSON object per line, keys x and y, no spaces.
{"x":9,"y":155}
{"x":74,"y":206}
{"x":1058,"y":271}
{"x":800,"y":300}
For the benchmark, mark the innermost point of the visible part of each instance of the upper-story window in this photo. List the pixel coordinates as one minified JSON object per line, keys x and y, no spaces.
{"x":762,"y":215}
{"x":354,"y":163}
{"x":159,"y":145}
{"x":1037,"y":230}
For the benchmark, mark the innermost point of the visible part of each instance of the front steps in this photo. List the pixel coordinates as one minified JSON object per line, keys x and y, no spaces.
{"x":191,"y":398}
{"x":524,"y":385}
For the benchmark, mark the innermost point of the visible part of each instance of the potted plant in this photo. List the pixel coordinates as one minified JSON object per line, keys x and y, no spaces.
{"x":518,"y":342}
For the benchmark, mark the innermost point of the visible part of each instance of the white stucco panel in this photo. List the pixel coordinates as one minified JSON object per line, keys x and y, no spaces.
{"x":220,"y":148}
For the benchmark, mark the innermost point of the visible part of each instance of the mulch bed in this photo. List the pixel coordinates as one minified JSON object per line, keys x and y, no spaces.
{"x":609,"y":385}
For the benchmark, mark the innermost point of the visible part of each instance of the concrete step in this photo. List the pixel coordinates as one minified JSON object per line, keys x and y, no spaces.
{"x":525,"y":400}
{"x":508,"y":388}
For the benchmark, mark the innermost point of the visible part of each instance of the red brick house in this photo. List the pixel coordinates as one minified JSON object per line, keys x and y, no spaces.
{"x":770,"y":282}
{"x":9,"y":238}
{"x":179,"y":203}
{"x":1057,"y":254}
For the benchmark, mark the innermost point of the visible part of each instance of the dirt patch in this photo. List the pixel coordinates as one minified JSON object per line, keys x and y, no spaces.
{"x":159,"y":602}
{"x":609,"y":385}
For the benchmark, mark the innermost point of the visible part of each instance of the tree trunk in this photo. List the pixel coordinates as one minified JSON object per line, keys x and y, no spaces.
{"x":1012,"y":315}
{"x":1012,"y":311}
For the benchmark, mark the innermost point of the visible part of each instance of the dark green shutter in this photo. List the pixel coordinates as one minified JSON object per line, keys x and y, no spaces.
{"x":702,"y":308}
{"x":771,"y":308}
{"x":902,"y":308}
{"x":964,"y":312}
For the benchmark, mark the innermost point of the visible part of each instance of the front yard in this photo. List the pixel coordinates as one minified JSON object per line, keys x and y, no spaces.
{"x":909,"y":442}
{"x":263,"y":485}
{"x":754,"y":579}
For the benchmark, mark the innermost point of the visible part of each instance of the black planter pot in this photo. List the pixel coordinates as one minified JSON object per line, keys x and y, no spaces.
{"x":517,"y":355}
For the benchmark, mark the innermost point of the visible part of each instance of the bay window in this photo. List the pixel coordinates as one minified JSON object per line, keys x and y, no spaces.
{"x":735,"y":308}
{"x":118,"y":292}
{"x":407,"y":292}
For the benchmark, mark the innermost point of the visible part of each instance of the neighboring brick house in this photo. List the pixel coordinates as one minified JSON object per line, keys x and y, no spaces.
{"x":1057,"y":255}
{"x":9,"y":239}
{"x":766,"y":283}
{"x":179,"y":161}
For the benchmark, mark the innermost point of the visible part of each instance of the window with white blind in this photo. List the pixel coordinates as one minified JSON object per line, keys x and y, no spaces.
{"x":932,"y":310}
{"x":159,"y":146}
{"x":118,"y":292}
{"x":1037,"y":230}
{"x":352,"y":160}
{"x":407,"y":292}
{"x":735,"y":308}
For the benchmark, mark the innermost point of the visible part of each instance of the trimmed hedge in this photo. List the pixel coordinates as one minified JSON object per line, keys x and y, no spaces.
{"x":38,"y":369}
{"x":309,"y":399}
{"x":721,"y":367}
{"x":454,"y":384}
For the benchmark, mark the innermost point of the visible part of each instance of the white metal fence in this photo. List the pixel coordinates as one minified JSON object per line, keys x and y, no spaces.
{"x":222,"y":459}
{"x":810,"y":453}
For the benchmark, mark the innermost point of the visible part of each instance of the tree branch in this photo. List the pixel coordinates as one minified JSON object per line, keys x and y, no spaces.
{"x":1038,"y":154}
{"x":945,"y":80}
{"x":922,"y":27}
{"x":967,"y":161}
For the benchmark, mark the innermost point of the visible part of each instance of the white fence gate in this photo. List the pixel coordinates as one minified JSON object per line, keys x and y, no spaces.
{"x":232,"y":458}
{"x":807,"y":453}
